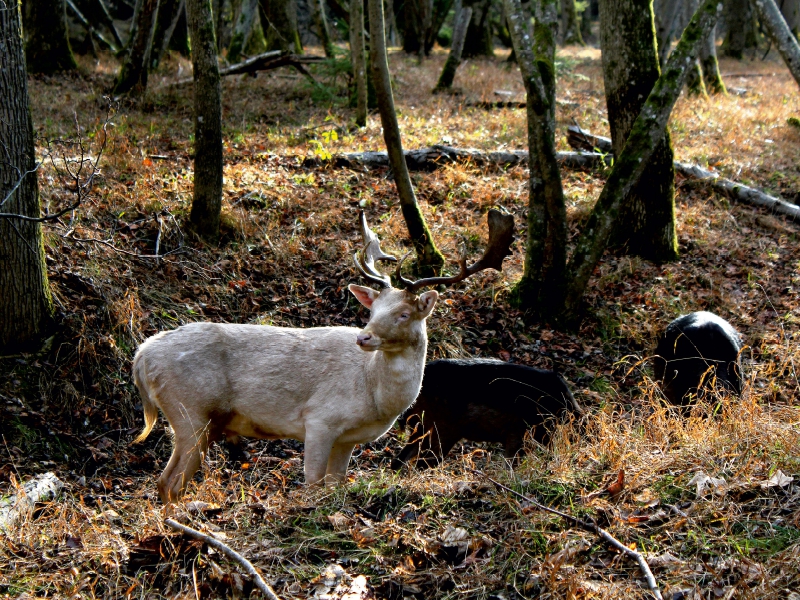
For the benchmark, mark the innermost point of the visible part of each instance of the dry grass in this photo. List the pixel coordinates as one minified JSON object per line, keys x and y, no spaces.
{"x":285,"y":259}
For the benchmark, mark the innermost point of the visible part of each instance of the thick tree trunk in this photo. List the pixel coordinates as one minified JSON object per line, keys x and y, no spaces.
{"x":646,"y":226}
{"x":462,"y":18}
{"x":740,"y":25}
{"x":666,"y":13}
{"x":358,"y":59}
{"x":708,"y":61}
{"x":570,"y":32}
{"x":242,"y":30}
{"x":429,"y":259}
{"x":646,"y":134}
{"x":321,"y":26}
{"x":133,"y":73}
{"x":279,"y":22}
{"x":26,"y":307}
{"x":542,"y":286}
{"x":780,"y":34}
{"x":479,"y":33}
{"x":48,"y":50}
{"x":207,"y":199}
{"x":790,"y":9}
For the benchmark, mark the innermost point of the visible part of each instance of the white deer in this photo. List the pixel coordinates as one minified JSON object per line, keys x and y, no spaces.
{"x":330,"y":387}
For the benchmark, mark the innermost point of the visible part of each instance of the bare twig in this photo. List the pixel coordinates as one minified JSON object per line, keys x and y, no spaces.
{"x":592,"y":528}
{"x":229,"y":552}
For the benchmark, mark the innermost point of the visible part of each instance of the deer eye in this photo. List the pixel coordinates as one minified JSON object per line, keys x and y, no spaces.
{"x":404,"y":316}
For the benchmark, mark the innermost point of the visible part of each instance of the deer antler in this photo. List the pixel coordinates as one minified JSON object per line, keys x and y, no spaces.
{"x":365,"y":260}
{"x":501,"y":234}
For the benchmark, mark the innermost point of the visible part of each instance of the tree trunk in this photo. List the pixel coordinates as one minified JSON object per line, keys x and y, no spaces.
{"x":321,"y":25}
{"x":570,"y":33}
{"x":646,"y":226}
{"x":358,"y":59}
{"x":541,"y":288}
{"x":666,"y":13}
{"x":279,"y":22}
{"x":133,"y":73}
{"x":26,"y":307}
{"x":646,"y":134}
{"x":790,"y":9}
{"x":179,"y":40}
{"x":479,"y":33}
{"x":224,"y":24}
{"x":207,"y":199}
{"x":462,"y":19}
{"x":708,"y":61}
{"x":166,"y":19}
{"x":429,"y":259}
{"x":48,"y":50}
{"x":242,"y":31}
{"x":781,"y":36}
{"x":740,"y":24}
{"x":586,"y":24}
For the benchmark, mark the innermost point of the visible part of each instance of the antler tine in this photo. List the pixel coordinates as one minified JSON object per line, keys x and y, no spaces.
{"x":370,"y":253}
{"x":501,"y":234}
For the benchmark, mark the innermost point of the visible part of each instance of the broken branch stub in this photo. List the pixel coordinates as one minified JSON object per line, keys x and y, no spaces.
{"x":501,"y":235}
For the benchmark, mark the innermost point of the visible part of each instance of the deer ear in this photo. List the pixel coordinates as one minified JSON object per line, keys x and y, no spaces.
{"x":363,"y":294}
{"x":426,"y":303}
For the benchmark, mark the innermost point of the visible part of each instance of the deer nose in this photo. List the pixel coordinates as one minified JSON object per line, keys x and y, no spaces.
{"x":363,"y":338}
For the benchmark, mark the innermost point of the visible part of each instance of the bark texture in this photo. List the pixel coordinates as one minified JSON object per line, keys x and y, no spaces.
{"x":541,"y":288}
{"x":133,"y":73}
{"x":646,"y":134}
{"x":740,"y":28}
{"x":207,"y":200}
{"x":479,"y":33}
{"x":48,"y":50}
{"x":666,"y":13}
{"x":321,"y":25}
{"x":166,"y":20}
{"x":429,"y":259}
{"x":462,"y":19}
{"x":358,"y":59}
{"x":710,"y":65}
{"x":780,"y":34}
{"x":26,"y":307}
{"x":242,"y":30}
{"x":570,"y":30}
{"x":279,"y":22}
{"x":646,"y":226}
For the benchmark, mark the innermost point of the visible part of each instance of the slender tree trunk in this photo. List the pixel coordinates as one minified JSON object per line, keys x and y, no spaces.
{"x":780,"y":34}
{"x":646,"y":134}
{"x":207,"y":200}
{"x":165,"y":21}
{"x":542,"y":286}
{"x":429,"y":259}
{"x":570,"y":32}
{"x":321,"y":25}
{"x":179,"y":40}
{"x":279,"y":22}
{"x":48,"y":50}
{"x":462,"y":18}
{"x":646,"y":226}
{"x":358,"y":59}
{"x":391,"y":24}
{"x":224,"y":24}
{"x":101,"y":10}
{"x":666,"y":13}
{"x":479,"y":33}
{"x":242,"y":30}
{"x":26,"y":307}
{"x":586,"y":24}
{"x":708,"y":61}
{"x":739,"y":19}
{"x":133,"y":73}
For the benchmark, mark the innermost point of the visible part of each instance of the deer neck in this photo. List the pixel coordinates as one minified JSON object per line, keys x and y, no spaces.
{"x":396,"y":377}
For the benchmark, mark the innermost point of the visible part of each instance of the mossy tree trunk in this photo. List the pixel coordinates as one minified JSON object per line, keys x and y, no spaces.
{"x":358,"y":59}
{"x":48,"y":50}
{"x":207,"y":199}
{"x":462,"y":18}
{"x":710,"y":65}
{"x":429,"y":259}
{"x":780,"y":34}
{"x":479,"y":33}
{"x":279,"y":23}
{"x":26,"y":306}
{"x":666,"y":14}
{"x":133,"y":73}
{"x":646,"y":134}
{"x":646,"y":226}
{"x":570,"y":32}
{"x":740,"y":24}
{"x":320,"y":21}
{"x":242,"y":30}
{"x":541,"y":288}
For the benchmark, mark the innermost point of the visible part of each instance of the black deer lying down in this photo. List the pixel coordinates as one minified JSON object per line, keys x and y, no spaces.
{"x":484,"y":401}
{"x":695,"y":352}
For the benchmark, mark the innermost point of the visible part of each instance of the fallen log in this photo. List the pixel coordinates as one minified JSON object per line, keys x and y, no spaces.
{"x":265,"y":62}
{"x":42,"y":488}
{"x":583,"y":140}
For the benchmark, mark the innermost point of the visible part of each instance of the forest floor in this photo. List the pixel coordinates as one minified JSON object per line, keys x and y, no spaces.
{"x":285,"y":258}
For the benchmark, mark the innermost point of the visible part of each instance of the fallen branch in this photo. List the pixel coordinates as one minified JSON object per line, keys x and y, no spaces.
{"x":229,"y":552}
{"x":265,"y":62}
{"x":592,"y":528}
{"x":39,"y":489}
{"x":583,"y":140}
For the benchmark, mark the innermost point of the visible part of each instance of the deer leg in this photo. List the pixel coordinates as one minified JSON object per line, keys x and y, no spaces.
{"x":318,"y":447}
{"x":337,"y":463}
{"x":186,"y":458}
